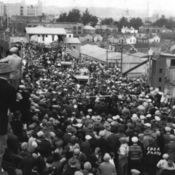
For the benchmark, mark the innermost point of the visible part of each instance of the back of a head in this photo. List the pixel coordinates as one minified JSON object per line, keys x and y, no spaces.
{"x":106,"y":157}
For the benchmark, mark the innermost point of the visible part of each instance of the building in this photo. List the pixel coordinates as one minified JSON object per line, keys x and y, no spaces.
{"x":45,"y":35}
{"x":98,"y":54}
{"x":113,"y":40}
{"x":34,"y":10}
{"x":103,"y":28}
{"x":97,"y":38}
{"x":166,"y":30}
{"x":75,"y":28}
{"x":87,"y":38}
{"x":18,"y":24}
{"x":73,"y":44}
{"x":162,"y":73}
{"x":149,"y":29}
{"x":131,"y":40}
{"x":69,"y":35}
{"x":89,"y":29}
{"x":112,"y":58}
{"x":22,"y":9}
{"x":130,"y":30}
{"x":154,"y":39}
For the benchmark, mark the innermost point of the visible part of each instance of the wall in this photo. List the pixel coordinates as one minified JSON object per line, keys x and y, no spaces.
{"x":158,"y":73}
{"x":47,"y":38}
{"x":74,"y":46}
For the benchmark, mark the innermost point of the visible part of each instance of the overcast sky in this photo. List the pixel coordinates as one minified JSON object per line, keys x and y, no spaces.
{"x":167,"y":5}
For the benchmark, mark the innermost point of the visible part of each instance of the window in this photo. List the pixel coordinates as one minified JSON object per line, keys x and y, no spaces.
{"x":160,"y":70}
{"x":172,"y":63}
{"x":160,"y":88}
{"x":160,"y":79}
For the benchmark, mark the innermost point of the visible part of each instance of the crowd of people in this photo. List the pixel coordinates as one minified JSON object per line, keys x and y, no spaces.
{"x":107,"y":125}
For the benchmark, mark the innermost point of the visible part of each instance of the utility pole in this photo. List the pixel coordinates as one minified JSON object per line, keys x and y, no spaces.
{"x":107,"y":54}
{"x":121,"y":62}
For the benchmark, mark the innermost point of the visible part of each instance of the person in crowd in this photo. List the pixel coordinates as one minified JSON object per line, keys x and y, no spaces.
{"x":65,"y":125}
{"x":135,"y":154}
{"x":106,"y":167}
{"x":7,"y":102}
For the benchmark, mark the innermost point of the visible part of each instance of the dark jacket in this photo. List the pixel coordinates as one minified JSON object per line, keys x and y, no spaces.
{"x":7,"y":101}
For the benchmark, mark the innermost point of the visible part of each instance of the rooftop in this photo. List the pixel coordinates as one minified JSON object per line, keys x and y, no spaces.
{"x":45,"y":30}
{"x":72,"y":41}
{"x":89,"y":27}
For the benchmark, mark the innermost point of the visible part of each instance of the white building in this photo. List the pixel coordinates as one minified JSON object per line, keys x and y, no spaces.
{"x":154,"y":39}
{"x":129,"y":30}
{"x":89,"y":29}
{"x":45,"y":35}
{"x":131,"y":40}
{"x":98,"y":38}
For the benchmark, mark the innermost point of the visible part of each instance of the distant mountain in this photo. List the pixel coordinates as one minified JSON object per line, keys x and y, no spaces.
{"x":107,"y":12}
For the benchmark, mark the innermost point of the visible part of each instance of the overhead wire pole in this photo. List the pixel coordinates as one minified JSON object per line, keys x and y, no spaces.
{"x":107,"y":54}
{"x":121,"y":62}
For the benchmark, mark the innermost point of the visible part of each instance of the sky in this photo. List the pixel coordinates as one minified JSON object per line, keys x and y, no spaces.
{"x":163,"y":5}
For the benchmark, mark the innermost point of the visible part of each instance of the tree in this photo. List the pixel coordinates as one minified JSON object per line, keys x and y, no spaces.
{"x":136,"y":23}
{"x":62,"y":18}
{"x":123,"y":22}
{"x":161,"y":22}
{"x":74,"y":16}
{"x":87,"y":18}
{"x":107,"y":21}
{"x":94,"y":20}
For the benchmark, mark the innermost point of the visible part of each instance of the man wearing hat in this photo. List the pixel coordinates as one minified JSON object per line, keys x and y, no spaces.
{"x":12,"y":67}
{"x":106,"y":168}
{"x":135,"y":172}
{"x":7,"y":101}
{"x":135,"y":154}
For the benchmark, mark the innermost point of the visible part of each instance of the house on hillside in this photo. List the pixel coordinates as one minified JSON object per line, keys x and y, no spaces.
{"x":103,"y":28}
{"x":75,"y":28}
{"x":45,"y":35}
{"x":87,"y":38}
{"x":166,"y":30}
{"x":97,"y":38}
{"x":89,"y":29}
{"x":73,"y":44}
{"x":154,"y":39}
{"x":131,"y":40}
{"x":130,"y":30}
{"x":142,"y":42}
{"x":149,"y":29}
{"x":113,"y":40}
